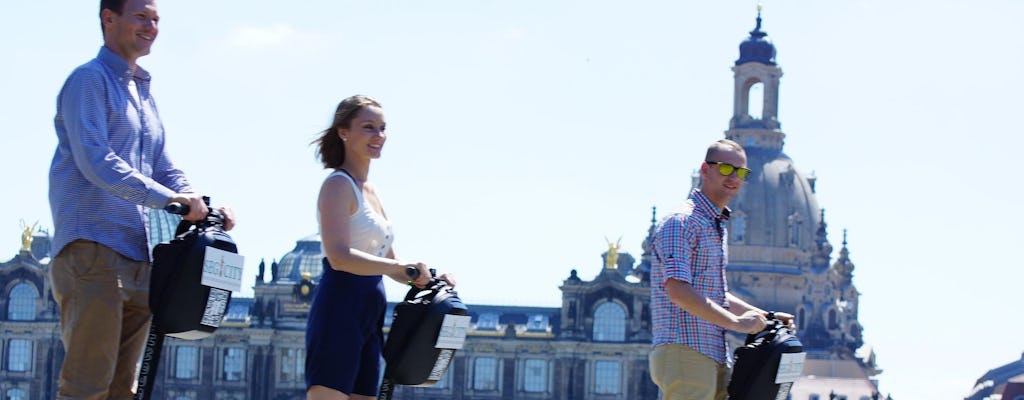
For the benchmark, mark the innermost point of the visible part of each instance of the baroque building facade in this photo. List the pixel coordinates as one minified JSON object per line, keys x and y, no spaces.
{"x":594,"y":346}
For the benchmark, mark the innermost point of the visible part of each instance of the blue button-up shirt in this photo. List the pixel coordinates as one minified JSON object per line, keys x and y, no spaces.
{"x":110,"y":162}
{"x":690,"y":246}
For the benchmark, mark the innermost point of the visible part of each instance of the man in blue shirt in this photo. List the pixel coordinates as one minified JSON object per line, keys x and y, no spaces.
{"x":109,"y":169}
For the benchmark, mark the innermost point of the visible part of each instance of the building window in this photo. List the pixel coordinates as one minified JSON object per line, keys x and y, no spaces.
{"x":533,"y":376}
{"x":293,"y":365}
{"x":234,"y":364}
{"x":739,"y":227}
{"x":537,"y":323}
{"x":443,"y":382}
{"x":755,"y":100}
{"x":311,"y":264}
{"x":833,"y":322}
{"x":238,"y":312}
{"x":487,"y":322}
{"x":186,"y":362}
{"x":794,"y":221}
{"x":22,"y":306}
{"x":162,"y":226}
{"x":609,"y":323}
{"x":606,"y":377}
{"x":19,"y":355}
{"x":485,"y":373}
{"x":15,"y":394}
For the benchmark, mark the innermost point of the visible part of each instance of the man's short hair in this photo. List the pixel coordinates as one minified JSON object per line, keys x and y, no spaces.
{"x":723,"y":145}
{"x":117,"y":6}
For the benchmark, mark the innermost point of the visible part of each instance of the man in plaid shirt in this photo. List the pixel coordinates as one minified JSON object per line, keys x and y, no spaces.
{"x":691,"y":306}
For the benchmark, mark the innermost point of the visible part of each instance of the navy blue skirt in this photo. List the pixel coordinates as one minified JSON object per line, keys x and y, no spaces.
{"x":344,"y":334}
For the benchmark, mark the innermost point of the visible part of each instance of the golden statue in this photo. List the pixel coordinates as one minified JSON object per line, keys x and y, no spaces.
{"x":26,"y":235}
{"x":612,"y":257}
{"x":307,"y":281}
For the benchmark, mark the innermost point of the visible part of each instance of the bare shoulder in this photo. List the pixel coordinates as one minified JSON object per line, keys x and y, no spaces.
{"x":337,"y":192}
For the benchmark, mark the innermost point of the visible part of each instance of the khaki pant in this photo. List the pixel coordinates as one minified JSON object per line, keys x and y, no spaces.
{"x":104,"y":318}
{"x":682,"y":373}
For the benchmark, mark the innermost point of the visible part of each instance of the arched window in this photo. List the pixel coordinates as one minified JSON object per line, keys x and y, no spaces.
{"x":833,"y":321}
{"x":755,"y":100}
{"x":15,"y":394}
{"x":609,"y":323}
{"x":22,"y":306}
{"x":739,"y":227}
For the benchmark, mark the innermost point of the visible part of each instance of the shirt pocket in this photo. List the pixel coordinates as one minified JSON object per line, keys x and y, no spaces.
{"x":707,"y":258}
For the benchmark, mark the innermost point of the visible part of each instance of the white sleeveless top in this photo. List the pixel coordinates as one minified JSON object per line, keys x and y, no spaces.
{"x":369,"y":231}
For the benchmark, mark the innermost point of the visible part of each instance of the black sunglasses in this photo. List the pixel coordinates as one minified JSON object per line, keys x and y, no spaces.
{"x":726,"y":169}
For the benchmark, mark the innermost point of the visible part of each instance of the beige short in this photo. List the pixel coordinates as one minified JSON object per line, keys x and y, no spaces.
{"x":682,"y":373}
{"x":104,"y":319}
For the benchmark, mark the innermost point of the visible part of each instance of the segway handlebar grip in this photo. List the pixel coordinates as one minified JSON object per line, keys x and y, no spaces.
{"x":412,"y":272}
{"x":177,"y":208}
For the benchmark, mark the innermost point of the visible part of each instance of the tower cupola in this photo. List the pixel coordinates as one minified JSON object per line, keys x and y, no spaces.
{"x":758,"y":47}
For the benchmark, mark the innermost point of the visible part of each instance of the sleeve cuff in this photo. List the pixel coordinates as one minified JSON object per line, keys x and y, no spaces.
{"x":158,"y":196}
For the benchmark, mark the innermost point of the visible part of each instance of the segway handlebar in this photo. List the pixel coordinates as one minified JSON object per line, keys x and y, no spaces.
{"x":413,"y":273}
{"x":177,"y":208}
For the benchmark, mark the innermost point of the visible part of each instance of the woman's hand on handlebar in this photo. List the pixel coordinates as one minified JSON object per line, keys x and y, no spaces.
{"x":448,"y":277}
{"x":422,"y":278}
{"x":229,"y":217}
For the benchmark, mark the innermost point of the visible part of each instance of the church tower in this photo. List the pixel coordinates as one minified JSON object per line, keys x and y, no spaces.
{"x":779,"y":254}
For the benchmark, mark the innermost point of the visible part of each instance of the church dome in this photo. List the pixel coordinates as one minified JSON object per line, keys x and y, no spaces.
{"x":775,"y":218}
{"x":758,"y":47}
{"x":305,"y":257}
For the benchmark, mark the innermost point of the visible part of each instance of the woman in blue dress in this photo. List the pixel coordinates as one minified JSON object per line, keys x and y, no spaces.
{"x":343,"y":335}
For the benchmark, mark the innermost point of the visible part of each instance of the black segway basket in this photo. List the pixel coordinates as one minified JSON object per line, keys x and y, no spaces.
{"x":427,"y":328}
{"x":766,"y":366}
{"x":182,"y":306}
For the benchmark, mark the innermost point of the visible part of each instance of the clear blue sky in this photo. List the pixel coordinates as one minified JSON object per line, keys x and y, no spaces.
{"x":522,"y":133}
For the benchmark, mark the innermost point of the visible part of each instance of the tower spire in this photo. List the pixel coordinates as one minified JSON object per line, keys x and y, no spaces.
{"x":758,"y":27}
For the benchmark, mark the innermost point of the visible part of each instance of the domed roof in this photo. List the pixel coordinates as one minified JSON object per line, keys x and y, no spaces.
{"x":305,"y":257}
{"x":775,"y":218}
{"x":758,"y":47}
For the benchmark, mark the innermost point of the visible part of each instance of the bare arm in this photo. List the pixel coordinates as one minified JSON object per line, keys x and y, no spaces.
{"x":683,"y":295}
{"x":739,"y":307}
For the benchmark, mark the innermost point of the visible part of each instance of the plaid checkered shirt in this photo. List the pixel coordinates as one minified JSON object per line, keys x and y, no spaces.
{"x":689,"y":246}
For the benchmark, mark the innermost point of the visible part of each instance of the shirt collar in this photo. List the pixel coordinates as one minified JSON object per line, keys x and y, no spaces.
{"x":119,"y":66}
{"x":704,"y":205}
